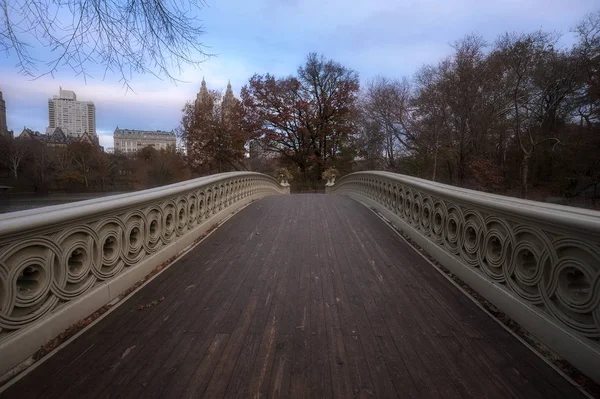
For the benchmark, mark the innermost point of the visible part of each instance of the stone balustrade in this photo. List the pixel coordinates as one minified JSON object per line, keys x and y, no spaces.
{"x":59,"y":264}
{"x":539,"y":263}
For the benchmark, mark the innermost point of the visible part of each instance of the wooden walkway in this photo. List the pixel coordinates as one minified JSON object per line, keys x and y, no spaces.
{"x":297,"y":296}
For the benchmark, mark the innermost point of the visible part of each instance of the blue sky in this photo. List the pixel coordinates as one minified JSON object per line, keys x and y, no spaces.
{"x":391,"y":38}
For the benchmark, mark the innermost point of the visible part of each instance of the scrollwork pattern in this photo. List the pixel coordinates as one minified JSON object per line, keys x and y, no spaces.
{"x":47,"y":267}
{"x":554,"y":270}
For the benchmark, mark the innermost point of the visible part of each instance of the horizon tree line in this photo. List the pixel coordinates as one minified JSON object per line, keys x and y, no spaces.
{"x":519,"y":116}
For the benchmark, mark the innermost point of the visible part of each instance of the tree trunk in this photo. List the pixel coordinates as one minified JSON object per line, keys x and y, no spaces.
{"x":435,"y":159}
{"x":449,"y":165}
{"x":524,"y":174}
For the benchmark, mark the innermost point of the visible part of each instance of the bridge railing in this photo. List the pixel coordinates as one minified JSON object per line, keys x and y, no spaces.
{"x":539,"y":263}
{"x":59,"y":264}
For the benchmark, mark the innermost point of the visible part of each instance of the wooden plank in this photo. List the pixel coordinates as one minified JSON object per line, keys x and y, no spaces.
{"x":341,"y":385}
{"x":300,"y":378}
{"x":320,"y":373}
{"x":199,"y":379}
{"x":169,"y":372}
{"x":279,"y":383}
{"x":224,"y":369}
{"x":240,"y":376}
{"x":369,"y":320}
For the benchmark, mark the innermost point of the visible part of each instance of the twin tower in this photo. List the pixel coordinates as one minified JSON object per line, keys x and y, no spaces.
{"x":204,"y":97}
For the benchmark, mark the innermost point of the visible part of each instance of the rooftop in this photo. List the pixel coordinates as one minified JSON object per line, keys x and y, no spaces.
{"x":134,"y":132}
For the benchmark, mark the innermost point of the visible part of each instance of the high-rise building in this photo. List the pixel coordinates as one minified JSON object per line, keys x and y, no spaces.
{"x":74,"y":117}
{"x":3,"y":126}
{"x":131,"y":141}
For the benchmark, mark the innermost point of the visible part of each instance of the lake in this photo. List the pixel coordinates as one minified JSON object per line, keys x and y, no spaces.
{"x":14,"y":202}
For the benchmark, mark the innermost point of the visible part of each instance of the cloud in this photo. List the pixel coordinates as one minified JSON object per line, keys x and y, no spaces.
{"x":154,"y":104}
{"x":390,"y":37}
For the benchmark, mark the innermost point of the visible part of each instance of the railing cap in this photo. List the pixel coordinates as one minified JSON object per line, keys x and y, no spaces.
{"x":562,"y":215}
{"x":15,"y":222}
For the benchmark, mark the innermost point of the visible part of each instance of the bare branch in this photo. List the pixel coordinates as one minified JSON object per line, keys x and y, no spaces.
{"x":125,"y":37}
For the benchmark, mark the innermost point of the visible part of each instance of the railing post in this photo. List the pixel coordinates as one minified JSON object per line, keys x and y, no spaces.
{"x":284,"y":183}
{"x":329,"y":185}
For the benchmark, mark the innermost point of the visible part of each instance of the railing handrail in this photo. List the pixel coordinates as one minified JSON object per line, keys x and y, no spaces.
{"x":14,"y":222}
{"x":569,"y":216}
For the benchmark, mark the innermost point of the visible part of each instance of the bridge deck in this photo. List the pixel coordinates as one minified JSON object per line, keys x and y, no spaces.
{"x":302,"y":295}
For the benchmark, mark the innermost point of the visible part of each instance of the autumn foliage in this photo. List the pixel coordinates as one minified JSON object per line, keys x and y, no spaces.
{"x":307,"y":119}
{"x":214,"y":134}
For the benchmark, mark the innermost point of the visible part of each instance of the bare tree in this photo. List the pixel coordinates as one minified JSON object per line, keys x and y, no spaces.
{"x":12,"y":154}
{"x":125,"y":37}
{"x":430,"y":114}
{"x":104,"y":166}
{"x":587,"y":55}
{"x":523,"y":56}
{"x":62,"y":159}
{"x":387,"y":102}
{"x":83,"y":155}
{"x":41,"y":157}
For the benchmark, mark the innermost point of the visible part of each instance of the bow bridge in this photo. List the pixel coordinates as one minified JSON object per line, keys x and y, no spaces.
{"x":320,"y":295}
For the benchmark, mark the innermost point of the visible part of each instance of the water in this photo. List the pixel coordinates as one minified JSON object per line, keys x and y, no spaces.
{"x":19,"y":202}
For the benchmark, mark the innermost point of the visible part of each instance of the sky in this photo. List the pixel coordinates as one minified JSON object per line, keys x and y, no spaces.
{"x":380,"y":37}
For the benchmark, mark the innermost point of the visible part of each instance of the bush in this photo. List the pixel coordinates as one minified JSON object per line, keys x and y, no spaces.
{"x":330,"y":174}
{"x":283,"y":174}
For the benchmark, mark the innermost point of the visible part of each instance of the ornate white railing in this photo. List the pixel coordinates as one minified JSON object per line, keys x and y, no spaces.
{"x":60,"y":263}
{"x":537,"y":262}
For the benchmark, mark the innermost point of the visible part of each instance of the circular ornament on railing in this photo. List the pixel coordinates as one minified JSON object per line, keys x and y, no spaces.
{"x":74,"y":273}
{"x":192,"y":211}
{"x":472,"y":234}
{"x":27,"y":284}
{"x":169,"y":221}
{"x":401,"y":202}
{"x":525,"y":269}
{"x":201,"y":207}
{"x":6,"y":297}
{"x":570,"y":288}
{"x":438,"y":221}
{"x":132,"y":250}
{"x":408,"y":205}
{"x":496,"y":248}
{"x":426,"y":214}
{"x":218,"y":198}
{"x":389,"y":197}
{"x":215,"y":200}
{"x":395,"y":196}
{"x":153,"y":236}
{"x":181,"y":217}
{"x":417,"y":208}
{"x":228,"y":193}
{"x":453,"y":228}
{"x":209,"y":204}
{"x":110,"y":243}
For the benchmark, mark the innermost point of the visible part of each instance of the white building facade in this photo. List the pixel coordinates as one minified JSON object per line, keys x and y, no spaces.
{"x":129,"y":141}
{"x":74,"y":117}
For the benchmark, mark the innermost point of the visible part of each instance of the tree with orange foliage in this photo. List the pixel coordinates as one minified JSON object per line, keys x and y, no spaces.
{"x":212,"y":129}
{"x":308,"y":119}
